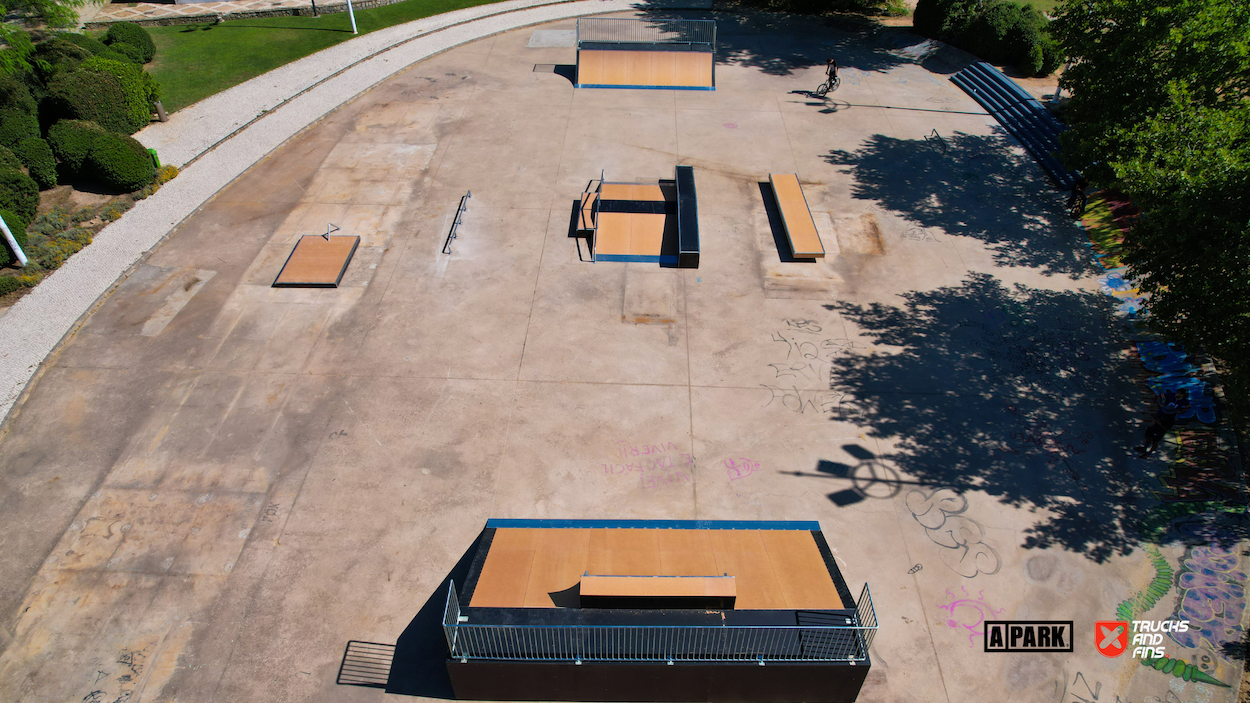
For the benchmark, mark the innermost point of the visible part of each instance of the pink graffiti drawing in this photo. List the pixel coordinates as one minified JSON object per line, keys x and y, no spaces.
{"x":740,"y":468}
{"x":973,"y":612}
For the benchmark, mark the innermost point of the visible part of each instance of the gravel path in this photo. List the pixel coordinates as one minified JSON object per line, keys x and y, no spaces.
{"x":217,"y":139}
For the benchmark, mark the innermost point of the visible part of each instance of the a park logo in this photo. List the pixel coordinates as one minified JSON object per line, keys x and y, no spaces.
{"x":1111,"y":637}
{"x":1028,"y":636}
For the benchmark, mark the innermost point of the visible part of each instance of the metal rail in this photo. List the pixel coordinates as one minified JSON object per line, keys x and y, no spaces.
{"x":847,"y":642}
{"x":460,"y":210}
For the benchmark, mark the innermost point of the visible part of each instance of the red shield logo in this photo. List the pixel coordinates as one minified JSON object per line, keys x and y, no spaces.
{"x":1111,"y":637}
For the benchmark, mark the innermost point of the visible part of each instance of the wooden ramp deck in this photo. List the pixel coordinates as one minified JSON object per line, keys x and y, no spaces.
{"x":771,"y":569}
{"x":796,"y":216}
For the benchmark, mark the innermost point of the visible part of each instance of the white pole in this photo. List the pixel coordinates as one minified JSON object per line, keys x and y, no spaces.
{"x":352,"y":15}
{"x":8,"y":237}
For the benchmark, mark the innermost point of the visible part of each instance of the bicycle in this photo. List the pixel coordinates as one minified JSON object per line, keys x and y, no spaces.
{"x":831,"y":79}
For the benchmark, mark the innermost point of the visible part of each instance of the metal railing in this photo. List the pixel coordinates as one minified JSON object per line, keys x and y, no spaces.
{"x":460,"y":210}
{"x":629,"y":31}
{"x":847,"y":642}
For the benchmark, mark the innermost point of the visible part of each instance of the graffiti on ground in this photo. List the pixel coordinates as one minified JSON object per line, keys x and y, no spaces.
{"x":973,"y":612}
{"x":940,"y":512}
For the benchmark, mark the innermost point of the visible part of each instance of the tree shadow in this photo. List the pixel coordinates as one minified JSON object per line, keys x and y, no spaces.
{"x":973,"y":186}
{"x":1016,"y":392}
{"x":780,"y":44}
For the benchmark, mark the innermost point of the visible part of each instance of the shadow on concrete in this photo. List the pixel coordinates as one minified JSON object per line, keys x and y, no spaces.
{"x":1016,"y":392}
{"x":780,"y":44}
{"x":419,"y":666}
{"x":975,"y":186}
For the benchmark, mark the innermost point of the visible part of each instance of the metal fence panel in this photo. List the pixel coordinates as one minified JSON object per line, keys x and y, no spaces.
{"x":661,"y":643}
{"x":629,"y":31}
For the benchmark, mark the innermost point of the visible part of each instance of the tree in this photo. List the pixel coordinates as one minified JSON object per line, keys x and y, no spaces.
{"x":1159,"y":111}
{"x":1124,"y":54}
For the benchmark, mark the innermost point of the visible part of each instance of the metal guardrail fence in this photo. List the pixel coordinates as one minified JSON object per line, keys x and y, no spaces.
{"x":847,"y":642}
{"x":628,"y":31}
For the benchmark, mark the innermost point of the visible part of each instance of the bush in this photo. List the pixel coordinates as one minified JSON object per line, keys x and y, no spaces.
{"x":1052,"y":56}
{"x":9,"y":160}
{"x":50,"y":251}
{"x":36,"y":155}
{"x":71,"y":141}
{"x":18,"y":194}
{"x":14,"y":95}
{"x":944,"y":19}
{"x":95,"y":46}
{"x":55,"y":57}
{"x":119,"y":163}
{"x":134,"y":35}
{"x":138,"y":86}
{"x":16,"y":126}
{"x":95,"y":96}
{"x":17,"y":226}
{"x":126,"y":52}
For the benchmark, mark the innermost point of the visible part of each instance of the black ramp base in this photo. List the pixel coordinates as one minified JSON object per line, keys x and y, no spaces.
{"x":736,"y":682}
{"x":687,"y":219}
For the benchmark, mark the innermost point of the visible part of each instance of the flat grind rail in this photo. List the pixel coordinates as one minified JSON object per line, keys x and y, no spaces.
{"x":847,"y":641}
{"x":460,"y":210}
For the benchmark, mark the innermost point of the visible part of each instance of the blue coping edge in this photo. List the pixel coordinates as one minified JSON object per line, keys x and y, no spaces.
{"x":805,"y":525}
{"x":636,"y":258}
{"x":647,"y":87}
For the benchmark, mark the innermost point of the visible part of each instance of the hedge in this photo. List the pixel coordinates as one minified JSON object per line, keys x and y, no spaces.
{"x":138,"y":86}
{"x":16,"y":126}
{"x":127,"y":52}
{"x":14,"y":95}
{"x":36,"y":155}
{"x":18,"y":194}
{"x":71,"y":141}
{"x":93,"y":95}
{"x":56,"y":56}
{"x":9,"y":160}
{"x":998,"y":31}
{"x":119,"y":163}
{"x":134,"y":35}
{"x":96,"y":47}
{"x":17,"y":226}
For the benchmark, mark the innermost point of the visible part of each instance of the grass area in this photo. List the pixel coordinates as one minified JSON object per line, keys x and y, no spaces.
{"x":1043,"y":6}
{"x":196,"y":61}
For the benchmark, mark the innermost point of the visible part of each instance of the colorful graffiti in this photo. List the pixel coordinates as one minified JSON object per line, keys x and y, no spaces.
{"x":1129,"y":300}
{"x":973,"y":612}
{"x":1212,"y":586}
{"x":1158,"y":587}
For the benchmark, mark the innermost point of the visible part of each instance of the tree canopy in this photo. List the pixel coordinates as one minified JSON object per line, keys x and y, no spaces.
{"x":1159,"y":111}
{"x":54,"y":13}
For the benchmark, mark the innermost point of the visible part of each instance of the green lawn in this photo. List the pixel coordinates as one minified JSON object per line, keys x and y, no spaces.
{"x":196,"y":61}
{"x":1043,"y":6}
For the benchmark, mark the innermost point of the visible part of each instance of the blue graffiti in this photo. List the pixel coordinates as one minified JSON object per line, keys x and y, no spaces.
{"x":1175,"y":372}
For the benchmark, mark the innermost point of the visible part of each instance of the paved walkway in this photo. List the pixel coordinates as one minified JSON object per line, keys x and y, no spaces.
{"x":133,"y":12}
{"x":225,"y":135}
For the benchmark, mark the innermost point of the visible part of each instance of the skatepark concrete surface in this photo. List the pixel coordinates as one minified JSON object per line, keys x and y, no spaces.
{"x":214,"y":485}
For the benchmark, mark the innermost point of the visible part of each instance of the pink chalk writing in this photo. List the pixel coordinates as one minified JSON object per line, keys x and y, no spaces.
{"x":740,"y":468}
{"x":625,"y":449}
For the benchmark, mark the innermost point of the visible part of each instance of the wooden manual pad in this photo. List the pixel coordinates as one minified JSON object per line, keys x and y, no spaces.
{"x":796,"y":217}
{"x":658,"y":69}
{"x":771,"y":568}
{"x":658,"y":586}
{"x":629,"y":233}
{"x":317,"y":262}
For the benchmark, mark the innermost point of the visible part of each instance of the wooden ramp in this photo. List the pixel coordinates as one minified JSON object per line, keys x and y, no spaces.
{"x":691,"y":70}
{"x":796,"y":217}
{"x":771,"y":569}
{"x":630,"y":221}
{"x":317,"y":262}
